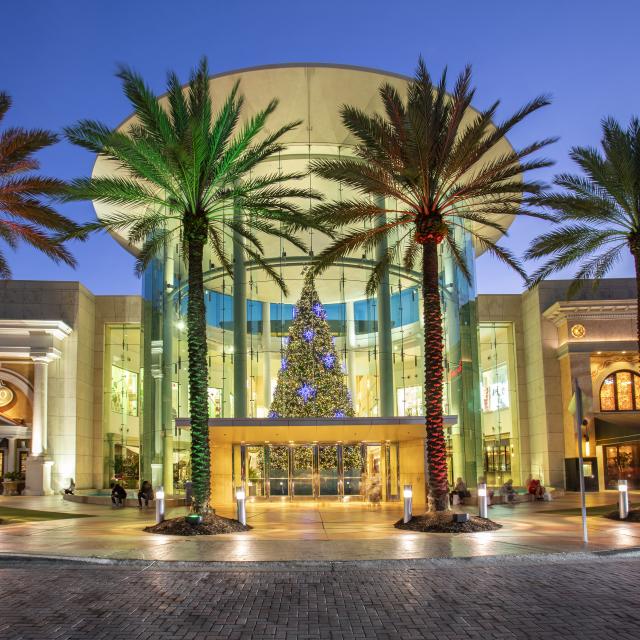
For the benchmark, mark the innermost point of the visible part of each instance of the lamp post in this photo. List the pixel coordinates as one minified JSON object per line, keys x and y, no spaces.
{"x":241,"y":503}
{"x":159,"y":505}
{"x":623,"y":499}
{"x":408,"y":503}
{"x":482,"y":500}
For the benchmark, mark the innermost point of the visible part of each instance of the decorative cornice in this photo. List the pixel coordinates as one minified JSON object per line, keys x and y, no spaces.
{"x":591,"y":309}
{"x":56,"y":328}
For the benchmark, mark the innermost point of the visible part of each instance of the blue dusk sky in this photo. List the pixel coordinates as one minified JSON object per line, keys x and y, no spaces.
{"x":58,"y":58}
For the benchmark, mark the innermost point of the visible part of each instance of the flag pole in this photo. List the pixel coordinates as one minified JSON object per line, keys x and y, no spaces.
{"x":577,"y":394}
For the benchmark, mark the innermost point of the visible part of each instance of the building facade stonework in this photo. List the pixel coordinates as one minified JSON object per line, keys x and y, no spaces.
{"x":72,"y":385}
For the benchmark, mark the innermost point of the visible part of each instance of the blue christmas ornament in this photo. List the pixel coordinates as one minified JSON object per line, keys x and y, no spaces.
{"x":273,"y":414}
{"x":283,"y":364}
{"x":307,"y":392}
{"x":308,"y":334}
{"x":339,"y":414}
{"x":318,"y":309}
{"x":294,"y":312}
{"x":328,"y":360}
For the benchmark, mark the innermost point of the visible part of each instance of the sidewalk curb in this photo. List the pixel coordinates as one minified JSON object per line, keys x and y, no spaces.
{"x":319,"y":565}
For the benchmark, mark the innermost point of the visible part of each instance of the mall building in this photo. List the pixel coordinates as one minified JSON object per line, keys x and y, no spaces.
{"x":96,"y":387}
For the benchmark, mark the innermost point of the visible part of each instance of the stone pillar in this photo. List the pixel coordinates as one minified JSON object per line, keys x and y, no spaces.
{"x":11,"y":454}
{"x":350,"y":341}
{"x":39,"y":417}
{"x":266,"y":353}
{"x":239,"y":324}
{"x":38,"y":480}
{"x":168,"y":464}
{"x":386,"y":402}
{"x":111,"y":457}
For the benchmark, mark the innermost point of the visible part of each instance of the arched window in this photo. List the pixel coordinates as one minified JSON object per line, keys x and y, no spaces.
{"x":620,"y":391}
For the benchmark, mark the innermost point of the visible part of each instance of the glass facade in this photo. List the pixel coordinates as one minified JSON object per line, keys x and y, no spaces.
{"x":498,"y":400}
{"x":379,"y":340}
{"x":122,"y":387}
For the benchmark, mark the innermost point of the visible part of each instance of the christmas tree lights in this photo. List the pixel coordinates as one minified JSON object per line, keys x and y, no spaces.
{"x":311,"y":381}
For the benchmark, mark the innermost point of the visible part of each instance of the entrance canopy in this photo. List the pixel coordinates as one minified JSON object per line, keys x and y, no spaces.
{"x":267,"y":430}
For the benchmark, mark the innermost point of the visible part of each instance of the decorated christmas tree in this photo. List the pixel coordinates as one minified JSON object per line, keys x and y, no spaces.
{"x":310,"y":381}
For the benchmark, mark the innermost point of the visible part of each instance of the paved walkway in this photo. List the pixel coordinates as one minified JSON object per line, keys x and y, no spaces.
{"x":591,"y":600}
{"x":310,"y":531}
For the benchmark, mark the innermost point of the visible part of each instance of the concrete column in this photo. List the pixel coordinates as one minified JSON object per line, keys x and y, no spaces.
{"x":168,"y":464}
{"x":166,"y":357}
{"x":39,"y":416}
{"x":385,"y":347}
{"x":239,"y":324}
{"x":38,"y":480}
{"x":266,"y":353}
{"x":350,"y":339}
{"x":11,"y":454}
{"x":111,"y":457}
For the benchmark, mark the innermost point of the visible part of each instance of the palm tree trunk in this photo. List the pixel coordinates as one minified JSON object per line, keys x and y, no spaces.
{"x":195,"y":234}
{"x":438,"y":497}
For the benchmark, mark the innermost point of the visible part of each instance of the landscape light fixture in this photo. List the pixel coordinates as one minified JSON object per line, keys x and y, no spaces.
{"x":241,"y":504}
{"x":408,"y":502}
{"x":623,"y":499}
{"x":482,"y":500}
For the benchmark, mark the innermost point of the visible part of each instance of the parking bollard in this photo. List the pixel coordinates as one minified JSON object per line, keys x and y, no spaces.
{"x":159,"y":505}
{"x":623,"y":499}
{"x":241,"y":503}
{"x":408,"y":503}
{"x":482,"y":500}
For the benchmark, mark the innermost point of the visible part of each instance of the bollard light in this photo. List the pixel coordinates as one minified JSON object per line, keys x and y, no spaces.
{"x":241,"y":503}
{"x":408,"y":500}
{"x":482,"y":500}
{"x":159,"y":505}
{"x":623,"y":499}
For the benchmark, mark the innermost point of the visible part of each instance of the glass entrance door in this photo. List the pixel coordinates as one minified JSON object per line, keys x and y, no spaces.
{"x":303,"y":471}
{"x":328,"y":473}
{"x":279,"y":471}
{"x":352,"y":465}
{"x":373,"y":491}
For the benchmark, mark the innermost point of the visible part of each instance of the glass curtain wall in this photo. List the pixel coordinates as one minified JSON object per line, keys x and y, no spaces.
{"x":498,"y":397}
{"x":248,"y":317}
{"x":122,"y":406}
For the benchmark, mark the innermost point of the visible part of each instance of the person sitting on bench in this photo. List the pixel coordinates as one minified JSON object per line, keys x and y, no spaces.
{"x":72,"y":487}
{"x":535,"y":488}
{"x":507,"y":491}
{"x":118,"y":494}
{"x":460,"y":490}
{"x":145,"y":493}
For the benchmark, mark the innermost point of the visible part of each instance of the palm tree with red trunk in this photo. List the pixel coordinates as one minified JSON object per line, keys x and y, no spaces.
{"x":427,"y":167}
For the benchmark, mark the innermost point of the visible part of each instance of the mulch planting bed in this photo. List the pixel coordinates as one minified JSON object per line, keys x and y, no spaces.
{"x":634,"y":516}
{"x":443,"y":523}
{"x":212,"y":525}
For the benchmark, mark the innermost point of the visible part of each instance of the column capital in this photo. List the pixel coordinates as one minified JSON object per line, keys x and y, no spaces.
{"x":44,"y":356}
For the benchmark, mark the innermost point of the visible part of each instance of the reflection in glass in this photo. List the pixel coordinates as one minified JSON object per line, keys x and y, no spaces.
{"x":255,"y":472}
{"x":303,"y":470}
{"x":328,"y":470}
{"x":279,"y":471}
{"x":352,"y":464}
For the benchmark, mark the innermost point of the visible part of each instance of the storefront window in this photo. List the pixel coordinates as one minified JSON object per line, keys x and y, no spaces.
{"x":124,"y":391}
{"x":620,"y":392}
{"x":622,"y":462}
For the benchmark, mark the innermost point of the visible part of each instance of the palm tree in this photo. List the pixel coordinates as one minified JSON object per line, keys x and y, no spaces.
{"x":429,"y":154}
{"x":597,"y":213}
{"x":24,"y":215}
{"x":184,"y":167}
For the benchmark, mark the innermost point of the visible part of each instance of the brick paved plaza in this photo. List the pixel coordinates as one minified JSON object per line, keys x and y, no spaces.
{"x":507,"y":598}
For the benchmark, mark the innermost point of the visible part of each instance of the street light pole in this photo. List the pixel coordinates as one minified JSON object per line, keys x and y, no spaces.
{"x":577,"y":394}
